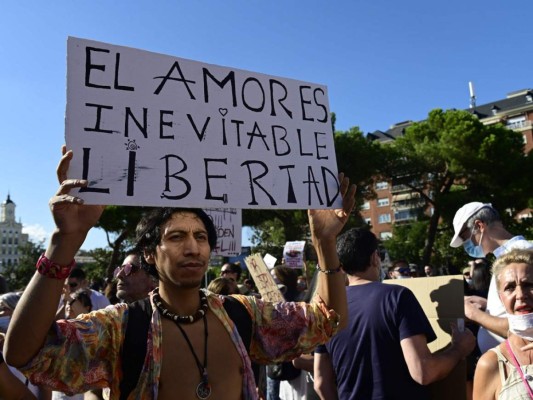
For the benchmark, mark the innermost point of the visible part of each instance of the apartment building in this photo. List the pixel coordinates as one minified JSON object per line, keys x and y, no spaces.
{"x":395,"y":203}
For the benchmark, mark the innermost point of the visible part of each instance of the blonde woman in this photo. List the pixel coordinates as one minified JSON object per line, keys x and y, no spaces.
{"x":506,"y":371}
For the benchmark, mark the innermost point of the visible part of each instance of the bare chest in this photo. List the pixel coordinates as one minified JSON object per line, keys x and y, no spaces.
{"x":182,"y":364}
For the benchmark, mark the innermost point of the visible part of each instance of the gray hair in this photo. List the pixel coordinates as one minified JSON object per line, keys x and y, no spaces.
{"x":487,"y":214}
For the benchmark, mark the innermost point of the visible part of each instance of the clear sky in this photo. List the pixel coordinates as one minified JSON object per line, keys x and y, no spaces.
{"x":382,"y":61}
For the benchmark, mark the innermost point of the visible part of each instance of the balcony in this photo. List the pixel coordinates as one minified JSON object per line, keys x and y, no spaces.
{"x":519,"y":125}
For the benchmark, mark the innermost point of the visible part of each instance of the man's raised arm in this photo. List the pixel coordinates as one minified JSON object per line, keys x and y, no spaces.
{"x":37,"y":307}
{"x":325,"y":225}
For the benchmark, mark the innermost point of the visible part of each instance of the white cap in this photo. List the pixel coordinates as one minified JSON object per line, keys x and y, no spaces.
{"x":461,"y":216}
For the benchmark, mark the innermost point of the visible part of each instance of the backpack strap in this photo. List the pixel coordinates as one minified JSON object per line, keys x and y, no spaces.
{"x":240,"y":317}
{"x":134,"y":346}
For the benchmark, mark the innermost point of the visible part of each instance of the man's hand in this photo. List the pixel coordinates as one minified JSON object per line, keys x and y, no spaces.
{"x":464,"y":341}
{"x":71,"y":216}
{"x":329,"y":223}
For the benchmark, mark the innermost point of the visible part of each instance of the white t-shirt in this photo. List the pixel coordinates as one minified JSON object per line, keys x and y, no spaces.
{"x":486,"y":339}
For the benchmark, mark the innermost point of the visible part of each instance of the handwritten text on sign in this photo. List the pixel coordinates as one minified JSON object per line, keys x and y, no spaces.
{"x":152,"y":129}
{"x":263,"y":279}
{"x":228,"y":223}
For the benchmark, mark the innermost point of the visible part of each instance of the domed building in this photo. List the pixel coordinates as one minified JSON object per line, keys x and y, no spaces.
{"x":11,"y":236}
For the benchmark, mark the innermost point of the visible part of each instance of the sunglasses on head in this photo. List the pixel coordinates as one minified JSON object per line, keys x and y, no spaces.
{"x":128,"y":269}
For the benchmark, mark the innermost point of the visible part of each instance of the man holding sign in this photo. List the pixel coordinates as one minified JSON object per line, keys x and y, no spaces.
{"x":194,"y":348}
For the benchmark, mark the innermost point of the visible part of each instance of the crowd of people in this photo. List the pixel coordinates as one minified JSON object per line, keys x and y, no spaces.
{"x":345,"y":335}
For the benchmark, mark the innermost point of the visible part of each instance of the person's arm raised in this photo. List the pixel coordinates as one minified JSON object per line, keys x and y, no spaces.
{"x":37,"y":307}
{"x":325,"y":225}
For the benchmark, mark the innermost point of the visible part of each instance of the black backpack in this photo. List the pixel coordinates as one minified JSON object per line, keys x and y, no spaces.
{"x":134,"y":346}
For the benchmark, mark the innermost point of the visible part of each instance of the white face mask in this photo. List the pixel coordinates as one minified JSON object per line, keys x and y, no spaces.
{"x":521,"y":325}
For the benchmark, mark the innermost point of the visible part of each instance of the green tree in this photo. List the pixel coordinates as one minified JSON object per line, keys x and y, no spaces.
{"x":19,"y":275}
{"x":118,"y":223}
{"x":360,"y":159}
{"x":451,"y":159}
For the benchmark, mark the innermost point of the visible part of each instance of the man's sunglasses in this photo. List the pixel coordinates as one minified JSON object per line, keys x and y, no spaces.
{"x":72,"y":285}
{"x":402,"y":270}
{"x":128,"y":269}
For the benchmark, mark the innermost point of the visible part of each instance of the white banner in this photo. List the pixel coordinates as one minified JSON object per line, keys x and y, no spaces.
{"x":156,"y":130}
{"x":228,"y":223}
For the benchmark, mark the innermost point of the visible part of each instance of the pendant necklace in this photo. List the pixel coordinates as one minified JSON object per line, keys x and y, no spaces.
{"x":203,"y":390}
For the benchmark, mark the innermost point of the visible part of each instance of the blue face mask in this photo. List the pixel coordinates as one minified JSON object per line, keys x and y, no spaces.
{"x":472,"y":250}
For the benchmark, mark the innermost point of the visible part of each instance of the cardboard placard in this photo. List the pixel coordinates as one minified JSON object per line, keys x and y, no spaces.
{"x":156,"y":130}
{"x":441,"y":298}
{"x":263,"y":280}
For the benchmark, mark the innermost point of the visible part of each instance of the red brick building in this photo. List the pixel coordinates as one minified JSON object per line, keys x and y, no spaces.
{"x":397,"y":204}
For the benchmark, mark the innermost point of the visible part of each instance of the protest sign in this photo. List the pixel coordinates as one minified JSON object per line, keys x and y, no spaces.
{"x":270,"y":260}
{"x":228,"y":224}
{"x":263,"y":280}
{"x":293,"y":254}
{"x":157,"y":130}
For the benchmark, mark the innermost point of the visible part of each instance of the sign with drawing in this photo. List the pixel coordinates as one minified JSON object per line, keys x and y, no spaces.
{"x":293,"y":254}
{"x":157,"y":130}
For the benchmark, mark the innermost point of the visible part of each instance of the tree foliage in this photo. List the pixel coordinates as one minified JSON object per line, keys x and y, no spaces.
{"x":359,"y":159}
{"x":118,"y":223}
{"x":451,"y":159}
{"x":19,"y":275}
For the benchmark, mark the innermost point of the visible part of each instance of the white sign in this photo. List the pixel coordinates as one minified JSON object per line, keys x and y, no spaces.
{"x":228,"y":223}
{"x":270,"y":260}
{"x":157,"y":130}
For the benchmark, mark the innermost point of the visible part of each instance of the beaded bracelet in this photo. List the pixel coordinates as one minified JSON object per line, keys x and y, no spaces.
{"x":330,"y":271}
{"x":50,"y":269}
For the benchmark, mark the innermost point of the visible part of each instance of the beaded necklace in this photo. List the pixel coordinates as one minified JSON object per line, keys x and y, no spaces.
{"x":183,"y":319}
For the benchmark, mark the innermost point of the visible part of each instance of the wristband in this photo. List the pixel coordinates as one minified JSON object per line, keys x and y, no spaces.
{"x":50,"y":269}
{"x":330,"y":271}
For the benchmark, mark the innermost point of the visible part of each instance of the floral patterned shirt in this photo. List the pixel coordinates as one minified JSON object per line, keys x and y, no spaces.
{"x":92,"y":345}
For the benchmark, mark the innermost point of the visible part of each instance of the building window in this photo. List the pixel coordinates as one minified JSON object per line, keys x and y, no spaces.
{"x":368,"y":221}
{"x":516,"y":122}
{"x":382,"y":185}
{"x":385,"y":235}
{"x":383,"y":202}
{"x":405,"y":215}
{"x":365,"y":206}
{"x":384,"y":218}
